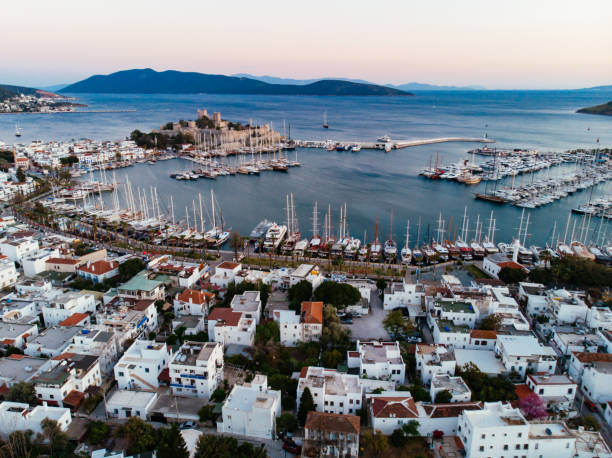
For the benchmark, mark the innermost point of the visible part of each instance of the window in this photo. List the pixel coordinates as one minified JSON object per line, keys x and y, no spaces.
{"x":51,"y":396}
{"x":518,"y":446}
{"x":520,"y":434}
{"x":120,"y":374}
{"x":525,"y":446}
{"x":147,"y":370}
{"x":505,"y":446}
{"x":570,"y":390}
{"x":481,"y":448}
{"x":483,"y":436}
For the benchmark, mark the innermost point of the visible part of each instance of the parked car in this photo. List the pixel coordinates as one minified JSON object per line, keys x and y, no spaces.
{"x":291,"y":447}
{"x":590,"y":405}
{"x":188,"y":425}
{"x":346,"y":320}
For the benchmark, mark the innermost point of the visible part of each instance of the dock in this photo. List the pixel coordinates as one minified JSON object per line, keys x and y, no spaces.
{"x":391,"y":144}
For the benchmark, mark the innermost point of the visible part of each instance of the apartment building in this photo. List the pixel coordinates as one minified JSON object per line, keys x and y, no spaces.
{"x":381,"y":360}
{"x":196,"y":369}
{"x":140,"y":366}
{"x":332,"y":391}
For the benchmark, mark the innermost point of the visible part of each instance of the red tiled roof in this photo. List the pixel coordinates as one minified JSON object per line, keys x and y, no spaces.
{"x":450,"y":410}
{"x":333,"y":422}
{"x":225,"y":315}
{"x":62,"y":261}
{"x":99,"y":267}
{"x":400,"y":407}
{"x":195,"y":296}
{"x":74,"y":398}
{"x":142,"y":305}
{"x":303,"y":372}
{"x":8,"y":342}
{"x":16,"y":356}
{"x":63,"y":356}
{"x":227,"y":265}
{"x":510,"y":264}
{"x":483,"y":334}
{"x":312,"y":312}
{"x":522,"y":391}
{"x":74,"y":319}
{"x":587,"y":357}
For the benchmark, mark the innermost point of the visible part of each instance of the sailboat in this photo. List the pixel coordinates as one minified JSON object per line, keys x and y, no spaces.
{"x":216,"y":236}
{"x":390,"y":245}
{"x":406,"y":253}
{"x":325,"y":126}
{"x":17,"y":130}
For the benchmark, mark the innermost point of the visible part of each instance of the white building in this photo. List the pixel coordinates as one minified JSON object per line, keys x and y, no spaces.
{"x":16,"y":334}
{"x":494,"y":263}
{"x":126,"y":404}
{"x":102,"y":344}
{"x":433,"y":359}
{"x":193,"y":302}
{"x":599,"y":318}
{"x":569,"y":342}
{"x":18,"y":248}
{"x":140,"y":366}
{"x":225,"y":273}
{"x":228,"y":327}
{"x":66,"y":304}
{"x":579,"y":361}
{"x":196,"y":369}
{"x":596,"y":381}
{"x":308,"y":272}
{"x":521,"y":353}
{"x":381,"y":360}
{"x":501,"y":430}
{"x":98,"y":271}
{"x":458,"y":312}
{"x":17,"y":416}
{"x":332,"y":391}
{"x":249,"y":304}
{"x":454,"y":385}
{"x":184,"y":275}
{"x":305,"y":327}
{"x":66,"y":382}
{"x":37,"y":262}
{"x":567,"y":307}
{"x":8,"y":273}
{"x":51,"y":342}
{"x":402,"y":295}
{"x":251,"y":410}
{"x":553,"y":387}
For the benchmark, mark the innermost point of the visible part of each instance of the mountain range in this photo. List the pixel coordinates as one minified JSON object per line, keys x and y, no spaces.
{"x":403,"y":87}
{"x":149,"y":81}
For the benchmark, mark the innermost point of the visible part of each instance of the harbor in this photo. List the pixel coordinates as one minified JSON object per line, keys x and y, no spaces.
{"x":384,"y":143}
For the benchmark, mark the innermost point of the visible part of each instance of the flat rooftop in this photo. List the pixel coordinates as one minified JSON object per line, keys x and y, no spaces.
{"x":12,"y":330}
{"x":134,"y":399}
{"x":456,"y":307}
{"x":548,"y":431}
{"x":192,"y":352}
{"x":248,"y":301}
{"x":245,"y":399}
{"x":449,"y":326}
{"x":455,"y":385}
{"x":54,"y":338}
{"x":302,"y":270}
{"x":20,"y":369}
{"x":485,"y":360}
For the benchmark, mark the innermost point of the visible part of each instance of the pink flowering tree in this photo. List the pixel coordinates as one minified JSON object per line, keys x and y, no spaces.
{"x":533,"y":407}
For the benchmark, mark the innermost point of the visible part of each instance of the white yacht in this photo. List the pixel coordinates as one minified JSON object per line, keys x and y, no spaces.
{"x":274,"y":236}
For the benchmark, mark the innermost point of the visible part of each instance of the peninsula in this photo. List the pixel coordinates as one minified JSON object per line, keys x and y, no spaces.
{"x":148,"y":81}
{"x":20,"y":99}
{"x":604,"y":109}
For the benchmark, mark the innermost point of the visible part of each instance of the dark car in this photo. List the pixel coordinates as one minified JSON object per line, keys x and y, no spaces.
{"x":291,"y":447}
{"x":347,"y":320}
{"x":188,"y":425}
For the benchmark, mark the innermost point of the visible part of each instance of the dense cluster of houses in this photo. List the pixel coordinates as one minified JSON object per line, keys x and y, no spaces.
{"x":72,"y":344}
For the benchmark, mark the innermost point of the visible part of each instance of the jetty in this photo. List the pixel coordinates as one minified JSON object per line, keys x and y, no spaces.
{"x":390,"y":144}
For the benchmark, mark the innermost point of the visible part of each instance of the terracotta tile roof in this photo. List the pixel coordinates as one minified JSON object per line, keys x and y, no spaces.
{"x":303,"y":372}
{"x":142,"y":305}
{"x":400,"y":407}
{"x":225,"y":316}
{"x":99,"y":267}
{"x":450,"y":410}
{"x":227,"y":265}
{"x":62,"y":261}
{"x":482,"y":334}
{"x":333,"y":422}
{"x":74,"y":319}
{"x":63,"y":356}
{"x":586,"y":357}
{"x":8,"y":342}
{"x":510,"y":264}
{"x":74,"y":398}
{"x":312,"y":312}
{"x":522,"y":391}
{"x":16,"y":356}
{"x":195,"y":296}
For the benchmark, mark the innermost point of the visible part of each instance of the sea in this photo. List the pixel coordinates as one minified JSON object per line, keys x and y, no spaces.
{"x":373,"y":184}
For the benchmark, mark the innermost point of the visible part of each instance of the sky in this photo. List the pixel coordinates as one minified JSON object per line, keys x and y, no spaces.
{"x":535,"y":44}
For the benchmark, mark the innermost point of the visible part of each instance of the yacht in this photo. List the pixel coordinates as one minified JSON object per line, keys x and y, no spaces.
{"x":441,"y":251}
{"x":406,"y":253}
{"x":17,"y":131}
{"x":384,"y":138}
{"x":356,"y":148}
{"x":274,"y":236}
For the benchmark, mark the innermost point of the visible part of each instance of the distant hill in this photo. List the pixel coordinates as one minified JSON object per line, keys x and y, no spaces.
{"x":402,"y":87}
{"x":7,"y":91}
{"x":433,"y":87}
{"x":598,"y":88}
{"x":603,"y":109}
{"x":148,"y":81}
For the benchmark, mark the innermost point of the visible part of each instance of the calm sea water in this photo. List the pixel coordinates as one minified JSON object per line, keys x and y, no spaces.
{"x":372,"y":183}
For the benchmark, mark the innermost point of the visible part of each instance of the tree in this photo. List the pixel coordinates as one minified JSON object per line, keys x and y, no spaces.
{"x":218,"y":395}
{"x":485,"y":388}
{"x":141,"y":435}
{"x":443,"y":397}
{"x":306,"y":405}
{"x":395,"y":324}
{"x":236,"y":243}
{"x":206,"y":412}
{"x":130,"y":268}
{"x":419,"y":393}
{"x":491,"y":323}
{"x":590,"y":423}
{"x":267,"y":332}
{"x":400,"y":436}
{"x":213,"y":446}
{"x":97,"y":431}
{"x":298,"y":293}
{"x":22,"y":392}
{"x":337,"y":294}
{"x":57,"y":439}
{"x":21,"y":176}
{"x":511,"y":275}
{"x":286,"y":423}
{"x":533,"y":407}
{"x":333,"y":334}
{"x":332,"y":358}
{"x":376,"y":443}
{"x":171,"y":443}
{"x":381,"y":285}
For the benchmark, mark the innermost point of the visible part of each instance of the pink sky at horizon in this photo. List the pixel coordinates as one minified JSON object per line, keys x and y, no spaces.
{"x":511,"y":45}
